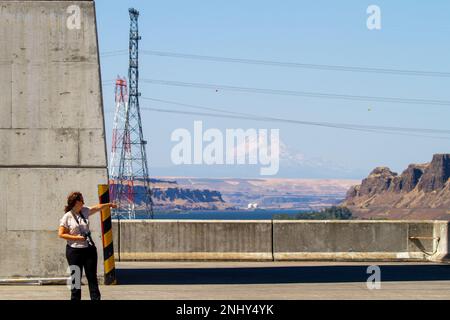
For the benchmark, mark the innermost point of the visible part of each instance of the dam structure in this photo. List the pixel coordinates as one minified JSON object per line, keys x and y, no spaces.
{"x":52,"y":134}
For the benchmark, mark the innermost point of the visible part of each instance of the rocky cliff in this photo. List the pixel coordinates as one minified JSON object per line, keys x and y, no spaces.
{"x":422,"y":191}
{"x":188,"y":199}
{"x":169,"y":195}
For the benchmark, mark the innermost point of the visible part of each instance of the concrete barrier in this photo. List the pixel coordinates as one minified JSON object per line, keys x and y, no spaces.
{"x":360,"y":240}
{"x":281,"y":240}
{"x":193,"y":240}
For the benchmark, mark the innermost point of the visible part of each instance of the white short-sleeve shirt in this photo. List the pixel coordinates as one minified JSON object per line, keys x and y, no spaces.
{"x":68,"y":222}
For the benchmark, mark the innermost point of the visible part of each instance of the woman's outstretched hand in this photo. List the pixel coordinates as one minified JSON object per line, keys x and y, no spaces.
{"x":102,"y":206}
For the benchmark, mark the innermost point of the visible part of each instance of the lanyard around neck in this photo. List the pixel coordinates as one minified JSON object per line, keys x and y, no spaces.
{"x":81,"y":215}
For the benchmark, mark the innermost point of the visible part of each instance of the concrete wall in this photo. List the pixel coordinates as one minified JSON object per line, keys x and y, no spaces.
{"x":357,"y":240}
{"x":199,"y":240}
{"x":52,"y":138}
{"x":280,"y":240}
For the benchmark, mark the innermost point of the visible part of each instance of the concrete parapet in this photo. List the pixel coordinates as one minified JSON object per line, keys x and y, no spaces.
{"x":281,"y":240}
{"x":193,"y":240}
{"x":354,"y":240}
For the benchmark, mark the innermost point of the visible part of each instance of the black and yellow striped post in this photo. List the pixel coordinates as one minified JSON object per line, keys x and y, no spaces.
{"x":107,"y":236}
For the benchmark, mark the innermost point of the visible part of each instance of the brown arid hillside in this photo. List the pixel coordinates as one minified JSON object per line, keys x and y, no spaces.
{"x":422,"y":191}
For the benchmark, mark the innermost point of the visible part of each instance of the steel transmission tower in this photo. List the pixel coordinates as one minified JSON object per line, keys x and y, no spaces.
{"x":132,"y":191}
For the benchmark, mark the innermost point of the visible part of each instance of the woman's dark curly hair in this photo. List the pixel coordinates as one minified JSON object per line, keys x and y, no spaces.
{"x":72,"y":200}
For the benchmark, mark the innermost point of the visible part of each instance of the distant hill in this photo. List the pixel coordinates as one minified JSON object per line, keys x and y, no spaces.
{"x":191,"y":193}
{"x":272,"y":193}
{"x":422,"y":191}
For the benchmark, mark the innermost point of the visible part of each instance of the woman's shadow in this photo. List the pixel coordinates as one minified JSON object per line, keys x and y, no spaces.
{"x":282,"y":274}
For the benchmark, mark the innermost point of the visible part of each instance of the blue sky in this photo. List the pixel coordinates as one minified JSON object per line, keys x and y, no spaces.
{"x":414,"y":36}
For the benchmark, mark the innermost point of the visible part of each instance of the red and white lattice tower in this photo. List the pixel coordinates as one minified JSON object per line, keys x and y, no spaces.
{"x":121,"y":144}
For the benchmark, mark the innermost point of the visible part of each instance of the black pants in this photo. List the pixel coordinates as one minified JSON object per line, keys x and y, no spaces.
{"x":84,"y":258}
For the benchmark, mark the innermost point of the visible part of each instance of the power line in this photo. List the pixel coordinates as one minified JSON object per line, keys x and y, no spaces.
{"x":113,"y":53}
{"x":108,"y":82}
{"x":404,"y":72}
{"x":256,"y":119}
{"x":297,"y":93}
{"x":330,"y":124}
{"x":196,"y":106}
{"x":290,"y":121}
{"x":274,"y":119}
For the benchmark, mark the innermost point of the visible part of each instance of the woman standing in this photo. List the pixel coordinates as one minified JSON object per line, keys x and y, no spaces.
{"x":80,"y":250}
